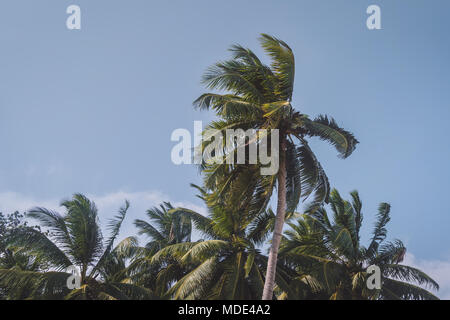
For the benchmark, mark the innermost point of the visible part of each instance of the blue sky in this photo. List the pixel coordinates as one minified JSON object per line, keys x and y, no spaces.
{"x":92,"y":110}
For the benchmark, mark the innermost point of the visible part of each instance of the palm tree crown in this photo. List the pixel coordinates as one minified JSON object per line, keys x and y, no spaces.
{"x":75,"y":239}
{"x":328,"y":253}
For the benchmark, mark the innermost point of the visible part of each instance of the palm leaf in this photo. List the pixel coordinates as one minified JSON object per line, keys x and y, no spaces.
{"x":328,"y":130}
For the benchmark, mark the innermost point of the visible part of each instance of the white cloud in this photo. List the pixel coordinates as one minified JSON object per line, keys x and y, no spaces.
{"x":13,"y":201}
{"x":140,"y":202}
{"x":439,"y":270}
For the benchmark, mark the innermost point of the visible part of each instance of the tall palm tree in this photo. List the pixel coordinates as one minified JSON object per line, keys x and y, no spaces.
{"x":226,"y":264}
{"x":260,"y":97}
{"x":74,"y":239}
{"x":328,"y":253}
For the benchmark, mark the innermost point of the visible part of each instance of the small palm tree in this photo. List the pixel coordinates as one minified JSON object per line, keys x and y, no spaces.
{"x":165,"y":228}
{"x":227,"y":264}
{"x":260,"y":97}
{"x":328,"y":255}
{"x":74,"y":239}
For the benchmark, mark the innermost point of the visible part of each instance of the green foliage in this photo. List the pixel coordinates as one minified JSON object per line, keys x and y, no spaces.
{"x":227,"y":264}
{"x":321,"y":257}
{"x":74,"y":238}
{"x":329,"y":252}
{"x":14,"y":258}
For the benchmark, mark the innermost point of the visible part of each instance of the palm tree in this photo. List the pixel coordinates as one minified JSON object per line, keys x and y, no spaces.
{"x":328,"y":254}
{"x":169,"y":228}
{"x":165,"y":228}
{"x":260,"y":97}
{"x":74,"y":239}
{"x":227,"y":264}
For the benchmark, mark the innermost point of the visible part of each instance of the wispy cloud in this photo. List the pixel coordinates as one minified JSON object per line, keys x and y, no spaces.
{"x":439,"y":270}
{"x":13,"y":201}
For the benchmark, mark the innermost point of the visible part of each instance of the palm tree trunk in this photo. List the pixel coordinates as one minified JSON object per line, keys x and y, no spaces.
{"x":279,"y":221}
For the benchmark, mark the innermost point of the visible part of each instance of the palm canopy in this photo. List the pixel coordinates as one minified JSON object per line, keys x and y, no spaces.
{"x":257,"y":97}
{"x":226,"y":264}
{"x":75,"y":239}
{"x":164,"y":227}
{"x":328,"y":253}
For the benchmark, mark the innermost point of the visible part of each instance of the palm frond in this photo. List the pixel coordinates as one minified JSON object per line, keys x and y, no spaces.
{"x":205,"y":249}
{"x":328,"y":130}
{"x":82,"y":225}
{"x":114,"y":227}
{"x":409,"y":274}
{"x":54,"y":222}
{"x":283,"y":64}
{"x":192,"y":284}
{"x":392,"y":289}
{"x":379,"y":232}
{"x":39,"y":245}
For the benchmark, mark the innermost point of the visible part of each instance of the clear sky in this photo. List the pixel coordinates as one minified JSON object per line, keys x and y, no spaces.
{"x":92,"y":110}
